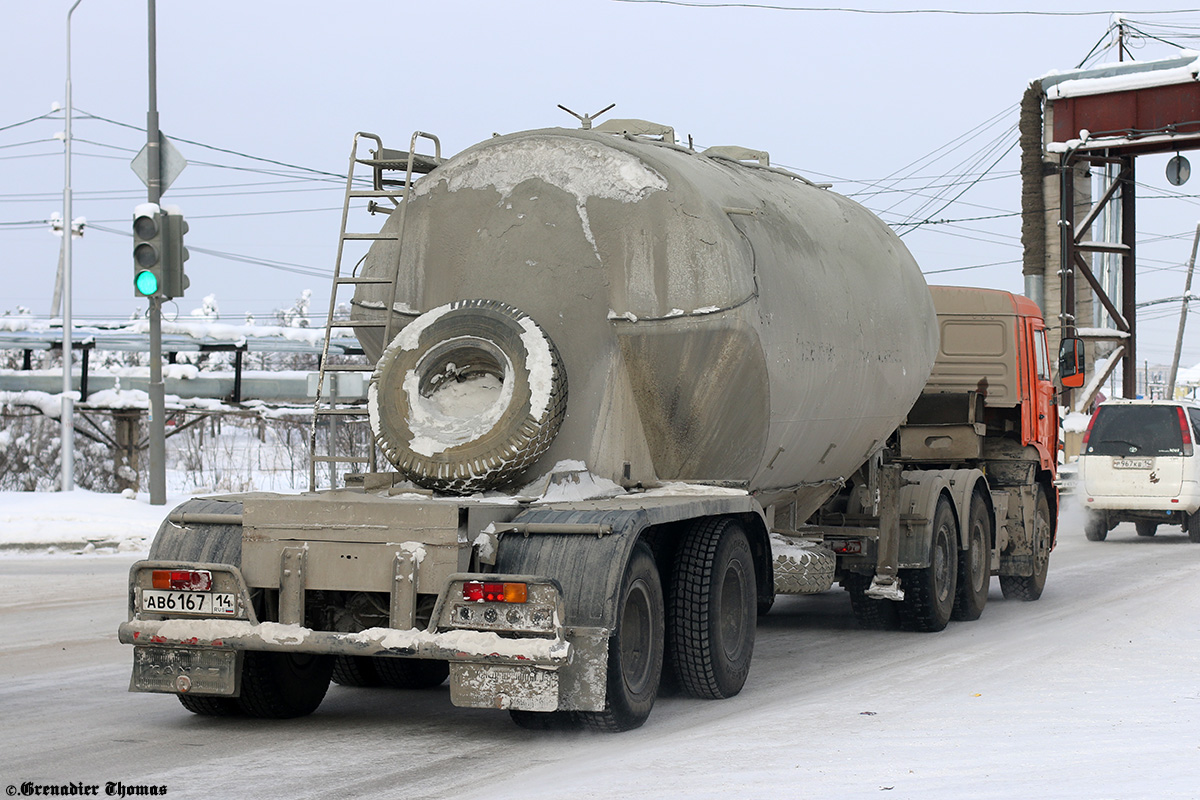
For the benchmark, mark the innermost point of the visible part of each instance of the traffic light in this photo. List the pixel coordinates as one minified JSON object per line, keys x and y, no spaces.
{"x":148,"y":245}
{"x":175,"y":281}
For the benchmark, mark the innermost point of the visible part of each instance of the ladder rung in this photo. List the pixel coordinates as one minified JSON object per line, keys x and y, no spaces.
{"x":349,"y":367}
{"x":369,"y":236}
{"x":376,"y":193}
{"x":364,"y":280}
{"x":342,"y":412}
{"x":341,"y":459}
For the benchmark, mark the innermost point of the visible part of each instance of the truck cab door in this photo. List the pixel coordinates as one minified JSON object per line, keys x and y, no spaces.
{"x":1043,"y":406}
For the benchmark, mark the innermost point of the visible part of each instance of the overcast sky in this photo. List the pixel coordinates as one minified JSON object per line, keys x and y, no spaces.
{"x":848,"y":98}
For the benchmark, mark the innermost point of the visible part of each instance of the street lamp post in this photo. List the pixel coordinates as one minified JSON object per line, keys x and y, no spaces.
{"x":68,"y":403}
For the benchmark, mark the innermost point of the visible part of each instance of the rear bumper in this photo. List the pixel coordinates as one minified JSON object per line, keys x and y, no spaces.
{"x":456,"y":645}
{"x":1187,"y":501}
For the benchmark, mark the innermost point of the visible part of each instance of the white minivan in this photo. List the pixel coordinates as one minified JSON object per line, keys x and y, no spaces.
{"x":1139,"y":464}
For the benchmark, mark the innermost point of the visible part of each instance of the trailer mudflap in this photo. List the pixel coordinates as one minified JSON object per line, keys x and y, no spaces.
{"x":197,"y":671}
{"x":503,"y":686}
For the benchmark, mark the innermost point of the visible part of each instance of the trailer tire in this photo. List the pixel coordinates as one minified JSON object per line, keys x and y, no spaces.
{"x":356,"y":671}
{"x":283,"y":685}
{"x":544,"y":720}
{"x":1145,"y":527}
{"x":203,"y":543}
{"x":871,"y":613}
{"x":712,"y":610}
{"x":481,"y":449}
{"x":208,"y":544}
{"x":1029,"y":587}
{"x":929,"y":592}
{"x":411,"y":673}
{"x":1095,"y":527}
{"x":208,"y":706}
{"x":975,"y":563}
{"x":635,"y":649}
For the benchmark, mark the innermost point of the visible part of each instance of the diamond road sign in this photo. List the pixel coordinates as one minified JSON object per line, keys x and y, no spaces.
{"x":173,"y":163}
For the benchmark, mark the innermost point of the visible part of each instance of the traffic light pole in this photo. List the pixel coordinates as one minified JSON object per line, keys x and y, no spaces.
{"x":157,"y":422}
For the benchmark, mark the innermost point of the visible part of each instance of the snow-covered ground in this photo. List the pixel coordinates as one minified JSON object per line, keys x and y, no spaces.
{"x":78,"y":521}
{"x":1090,"y":692}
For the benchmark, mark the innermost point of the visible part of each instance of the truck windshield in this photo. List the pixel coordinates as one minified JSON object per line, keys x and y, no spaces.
{"x":1136,"y":430}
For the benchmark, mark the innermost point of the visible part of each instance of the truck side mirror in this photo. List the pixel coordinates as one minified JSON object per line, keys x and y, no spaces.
{"x":1070,"y":363}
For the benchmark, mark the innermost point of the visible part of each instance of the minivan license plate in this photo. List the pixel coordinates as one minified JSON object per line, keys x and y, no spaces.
{"x":1133,"y":463}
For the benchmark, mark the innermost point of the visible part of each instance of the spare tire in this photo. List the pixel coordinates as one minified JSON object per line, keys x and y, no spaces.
{"x":467,"y":396}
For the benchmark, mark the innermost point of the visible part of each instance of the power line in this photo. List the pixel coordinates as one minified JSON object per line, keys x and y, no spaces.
{"x":915,"y":11}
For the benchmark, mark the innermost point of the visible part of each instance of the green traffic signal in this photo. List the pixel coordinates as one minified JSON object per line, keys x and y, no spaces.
{"x":146,"y":283}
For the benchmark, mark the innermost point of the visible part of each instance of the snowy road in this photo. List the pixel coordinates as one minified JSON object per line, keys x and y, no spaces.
{"x":1092,"y":692}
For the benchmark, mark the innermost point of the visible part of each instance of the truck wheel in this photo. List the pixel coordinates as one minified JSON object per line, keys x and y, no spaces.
{"x":210,"y":706}
{"x":283,"y":685}
{"x":870,"y":613}
{"x":712,"y":609}
{"x":1145,"y":528}
{"x":411,"y":673}
{"x":929,"y":592}
{"x":635,"y":649}
{"x":355,"y":671}
{"x":214,"y":544}
{"x":974,"y":563}
{"x":1095,"y":527}
{"x":467,"y":396}
{"x":544,"y":720}
{"x":1029,"y":587}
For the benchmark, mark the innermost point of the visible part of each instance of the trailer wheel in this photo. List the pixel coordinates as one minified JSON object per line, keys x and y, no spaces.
{"x":1145,"y":527}
{"x":635,"y":649}
{"x":467,"y":396}
{"x":209,"y":706}
{"x":214,"y":544}
{"x":871,"y":613}
{"x":411,"y":673}
{"x":975,"y":563}
{"x":929,"y":592}
{"x":283,"y":685}
{"x":1095,"y":527}
{"x":544,"y":720}
{"x":1029,"y":587}
{"x":355,"y":671}
{"x":712,"y":609}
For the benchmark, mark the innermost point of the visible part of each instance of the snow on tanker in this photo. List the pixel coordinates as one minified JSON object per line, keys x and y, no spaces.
{"x":629,"y":392}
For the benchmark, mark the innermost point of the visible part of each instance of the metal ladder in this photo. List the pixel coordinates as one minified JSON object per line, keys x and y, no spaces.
{"x":394,"y":191}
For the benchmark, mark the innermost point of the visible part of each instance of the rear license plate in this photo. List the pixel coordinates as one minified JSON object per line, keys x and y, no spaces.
{"x":1133,"y":463}
{"x":159,"y":601}
{"x":170,"y":669}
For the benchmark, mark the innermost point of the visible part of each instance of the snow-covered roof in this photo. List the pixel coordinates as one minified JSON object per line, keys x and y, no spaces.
{"x":1121,"y":77}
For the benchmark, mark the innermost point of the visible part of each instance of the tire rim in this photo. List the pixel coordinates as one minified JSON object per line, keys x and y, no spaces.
{"x":637,"y":638}
{"x":733,"y":621}
{"x":941,"y":563}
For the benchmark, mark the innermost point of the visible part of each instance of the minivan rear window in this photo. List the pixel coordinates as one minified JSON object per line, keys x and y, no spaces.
{"x":1136,"y":430}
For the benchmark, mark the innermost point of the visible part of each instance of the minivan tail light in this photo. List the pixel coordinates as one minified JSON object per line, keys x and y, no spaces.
{"x":1185,"y":430}
{"x":1088,"y":432}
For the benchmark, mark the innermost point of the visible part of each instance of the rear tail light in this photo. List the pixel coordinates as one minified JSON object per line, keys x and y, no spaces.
{"x":1185,"y":430}
{"x":495,"y":592}
{"x":848,"y":547}
{"x":182,"y":580}
{"x":1088,"y":433}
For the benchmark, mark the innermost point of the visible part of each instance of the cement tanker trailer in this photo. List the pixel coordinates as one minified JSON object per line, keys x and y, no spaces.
{"x":629,"y":392}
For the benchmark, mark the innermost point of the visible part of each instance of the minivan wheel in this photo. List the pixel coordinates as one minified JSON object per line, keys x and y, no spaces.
{"x":1146,"y":528}
{"x":1095,"y":528}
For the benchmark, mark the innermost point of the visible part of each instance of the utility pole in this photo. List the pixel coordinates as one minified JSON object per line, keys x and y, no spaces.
{"x":67,"y":415}
{"x":1183,"y":312}
{"x":158,"y":436}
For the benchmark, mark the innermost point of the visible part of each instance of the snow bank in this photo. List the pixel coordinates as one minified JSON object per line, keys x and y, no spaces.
{"x":79,"y":521}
